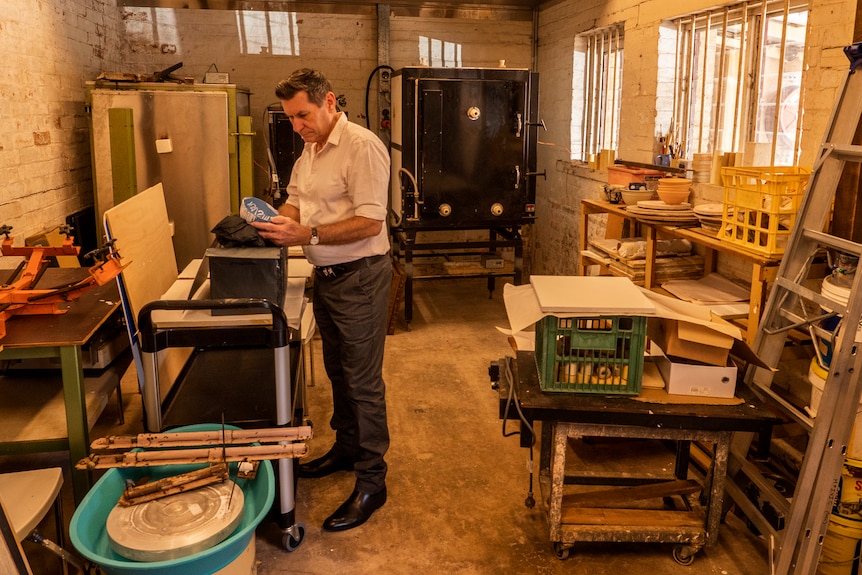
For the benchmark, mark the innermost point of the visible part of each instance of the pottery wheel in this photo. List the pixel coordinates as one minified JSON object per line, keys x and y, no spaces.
{"x":177,"y":525}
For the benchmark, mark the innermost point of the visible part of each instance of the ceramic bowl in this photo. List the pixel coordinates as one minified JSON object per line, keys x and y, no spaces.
{"x":632,"y":197}
{"x":673,"y":197}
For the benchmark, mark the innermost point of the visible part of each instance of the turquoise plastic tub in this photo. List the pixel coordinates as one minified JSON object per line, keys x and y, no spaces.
{"x":88,"y":534}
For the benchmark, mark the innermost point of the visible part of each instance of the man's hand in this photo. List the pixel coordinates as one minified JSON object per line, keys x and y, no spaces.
{"x":283,"y":231}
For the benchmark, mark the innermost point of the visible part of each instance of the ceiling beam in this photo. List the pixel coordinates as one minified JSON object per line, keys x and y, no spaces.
{"x":500,"y":10}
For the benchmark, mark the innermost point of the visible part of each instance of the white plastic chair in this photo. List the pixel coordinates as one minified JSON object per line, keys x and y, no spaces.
{"x":27,"y":496}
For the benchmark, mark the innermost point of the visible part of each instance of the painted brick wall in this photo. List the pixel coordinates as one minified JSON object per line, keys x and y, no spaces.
{"x":54,"y":47}
{"x":258,"y":49}
{"x":555,"y":246}
{"x":49,"y":49}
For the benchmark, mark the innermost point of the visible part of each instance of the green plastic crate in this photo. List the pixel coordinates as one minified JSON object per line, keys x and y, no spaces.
{"x":602,"y":355}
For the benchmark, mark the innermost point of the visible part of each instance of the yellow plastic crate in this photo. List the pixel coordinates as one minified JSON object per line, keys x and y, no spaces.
{"x":760,"y":206}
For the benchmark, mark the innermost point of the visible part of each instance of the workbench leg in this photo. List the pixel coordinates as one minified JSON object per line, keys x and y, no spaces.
{"x":716,"y":497}
{"x":77,"y":426}
{"x":558,"y":478}
{"x":755,"y":302}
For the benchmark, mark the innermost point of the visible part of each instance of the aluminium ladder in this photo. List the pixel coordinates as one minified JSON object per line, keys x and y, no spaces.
{"x":791,"y":305}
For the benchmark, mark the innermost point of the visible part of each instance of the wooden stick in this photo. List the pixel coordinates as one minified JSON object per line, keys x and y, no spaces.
{"x":174,"y":484}
{"x":200,"y":438}
{"x":191,"y":456}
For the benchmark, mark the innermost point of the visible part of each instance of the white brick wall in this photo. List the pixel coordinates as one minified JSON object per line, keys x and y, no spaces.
{"x":53,"y":47}
{"x":558,"y":203}
{"x":344,"y":47}
{"x":49,"y":49}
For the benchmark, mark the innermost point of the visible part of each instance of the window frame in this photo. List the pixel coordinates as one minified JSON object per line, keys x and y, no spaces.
{"x":596,"y":91}
{"x":749,"y":111}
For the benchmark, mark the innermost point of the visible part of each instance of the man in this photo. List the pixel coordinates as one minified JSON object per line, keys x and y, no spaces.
{"x":336,"y":210}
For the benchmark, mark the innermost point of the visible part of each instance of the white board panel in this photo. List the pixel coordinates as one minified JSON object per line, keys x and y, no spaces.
{"x":590,"y":295}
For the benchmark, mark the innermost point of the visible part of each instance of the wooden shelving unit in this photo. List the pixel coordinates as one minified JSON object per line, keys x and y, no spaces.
{"x":763,"y":269}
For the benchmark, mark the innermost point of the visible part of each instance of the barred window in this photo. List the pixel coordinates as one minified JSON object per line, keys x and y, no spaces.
{"x":737,"y":81}
{"x":596,"y":89}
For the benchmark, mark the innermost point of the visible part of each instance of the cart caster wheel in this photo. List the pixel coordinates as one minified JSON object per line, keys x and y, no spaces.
{"x":293,"y":537}
{"x":561,"y":551}
{"x":529,"y":502}
{"x":684,"y":554}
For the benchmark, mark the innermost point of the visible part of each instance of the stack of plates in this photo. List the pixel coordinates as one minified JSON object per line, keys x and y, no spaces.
{"x":656,"y":211}
{"x":709,"y":216}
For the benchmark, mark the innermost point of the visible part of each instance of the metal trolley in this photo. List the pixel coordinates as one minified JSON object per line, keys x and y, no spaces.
{"x":226,"y":379}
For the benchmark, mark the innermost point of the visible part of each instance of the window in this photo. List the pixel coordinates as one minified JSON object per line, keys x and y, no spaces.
{"x":440,"y":53}
{"x":596,"y":89}
{"x":737,"y":81}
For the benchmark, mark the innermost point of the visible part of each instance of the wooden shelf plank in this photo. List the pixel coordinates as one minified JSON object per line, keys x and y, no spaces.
{"x":613,"y":519}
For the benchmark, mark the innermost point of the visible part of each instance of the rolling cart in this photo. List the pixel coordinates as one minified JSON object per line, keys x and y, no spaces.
{"x":221,"y":380}
{"x":598,"y":515}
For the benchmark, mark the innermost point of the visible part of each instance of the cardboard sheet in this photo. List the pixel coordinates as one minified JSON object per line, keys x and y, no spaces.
{"x":661,"y":396}
{"x":711,"y":289}
{"x":523,"y":310}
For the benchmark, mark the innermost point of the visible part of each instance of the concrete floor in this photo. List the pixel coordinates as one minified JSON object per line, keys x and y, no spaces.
{"x":456,"y":485}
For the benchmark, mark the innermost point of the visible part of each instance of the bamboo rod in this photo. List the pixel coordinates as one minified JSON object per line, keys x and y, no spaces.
{"x":193,"y":456}
{"x":174,"y":484}
{"x":200,"y":438}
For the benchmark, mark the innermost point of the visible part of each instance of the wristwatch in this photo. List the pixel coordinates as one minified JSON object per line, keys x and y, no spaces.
{"x":315,"y":239}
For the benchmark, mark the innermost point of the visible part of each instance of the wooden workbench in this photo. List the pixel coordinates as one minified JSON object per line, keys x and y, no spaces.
{"x":570,"y":415}
{"x":61,"y":336}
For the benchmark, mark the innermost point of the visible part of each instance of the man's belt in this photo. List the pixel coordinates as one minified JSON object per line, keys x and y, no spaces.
{"x":336,"y":270}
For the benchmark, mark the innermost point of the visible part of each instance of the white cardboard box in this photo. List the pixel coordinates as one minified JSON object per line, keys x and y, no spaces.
{"x":683,"y":378}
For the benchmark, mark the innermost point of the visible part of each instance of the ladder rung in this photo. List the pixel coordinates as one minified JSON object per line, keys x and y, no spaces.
{"x":846,"y":152}
{"x":831,"y":241}
{"x":789,"y":409}
{"x":800,"y":321}
{"x":810,"y":295}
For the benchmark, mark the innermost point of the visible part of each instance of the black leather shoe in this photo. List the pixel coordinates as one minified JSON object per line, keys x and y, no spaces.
{"x":326,"y":465}
{"x":355,"y":511}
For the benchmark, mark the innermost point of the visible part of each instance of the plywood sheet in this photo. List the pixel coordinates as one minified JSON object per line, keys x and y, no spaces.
{"x":590,"y":295}
{"x":142,"y":232}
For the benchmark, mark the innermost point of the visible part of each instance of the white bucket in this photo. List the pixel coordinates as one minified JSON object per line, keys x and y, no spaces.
{"x":840,"y":545}
{"x":841,"y":295}
{"x":817,"y":378}
{"x":834,"y":291}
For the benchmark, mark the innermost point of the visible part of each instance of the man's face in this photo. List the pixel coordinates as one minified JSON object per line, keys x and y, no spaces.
{"x":312,"y":122}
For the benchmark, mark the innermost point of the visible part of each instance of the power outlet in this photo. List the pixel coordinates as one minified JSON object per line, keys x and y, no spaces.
{"x":385,"y":77}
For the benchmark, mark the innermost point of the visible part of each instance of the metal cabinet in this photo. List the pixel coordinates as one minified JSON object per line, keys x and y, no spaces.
{"x":195,"y":139}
